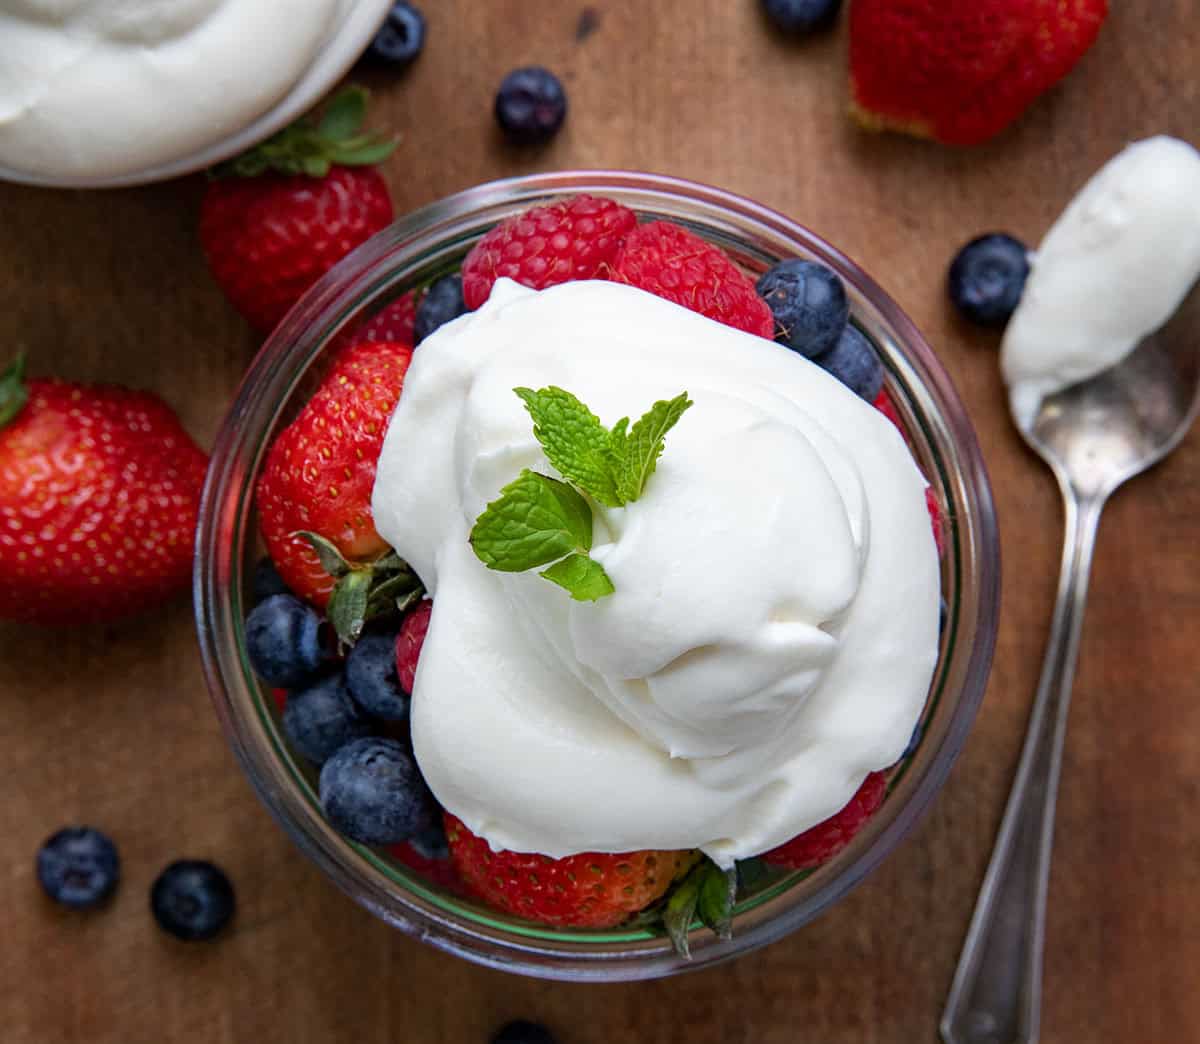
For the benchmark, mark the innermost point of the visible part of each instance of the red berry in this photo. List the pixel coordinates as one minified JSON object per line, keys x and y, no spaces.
{"x":575,"y":238}
{"x":821,"y":843}
{"x":440,"y":871}
{"x":672,"y":263}
{"x":393,"y":323}
{"x":99,"y":492}
{"x":590,"y":890}
{"x":320,"y":471}
{"x":960,"y":71}
{"x":883,"y":403}
{"x":409,"y":642}
{"x":935,"y":518}
{"x":269,"y":238}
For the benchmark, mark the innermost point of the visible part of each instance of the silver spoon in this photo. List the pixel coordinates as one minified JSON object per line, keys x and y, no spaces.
{"x":1094,"y":436}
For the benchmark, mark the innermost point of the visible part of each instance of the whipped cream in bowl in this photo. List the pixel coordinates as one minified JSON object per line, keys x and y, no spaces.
{"x":102,"y":93}
{"x":772,"y":636}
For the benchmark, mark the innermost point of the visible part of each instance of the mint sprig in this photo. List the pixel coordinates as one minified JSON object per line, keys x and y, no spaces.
{"x":541,"y":521}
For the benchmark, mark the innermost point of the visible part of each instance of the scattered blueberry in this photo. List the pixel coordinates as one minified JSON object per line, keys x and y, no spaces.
{"x":372,"y":792}
{"x":266,"y":581}
{"x":320,"y":719}
{"x":442,"y":302}
{"x":431,"y":842}
{"x":78,"y":867}
{"x":283,"y":641}
{"x":531,"y":105}
{"x":192,"y":899}
{"x":802,"y":16}
{"x":401,"y":36}
{"x":809,"y":304}
{"x":371,"y":676}
{"x":522,"y":1032}
{"x":987,"y":277}
{"x":855,"y":363}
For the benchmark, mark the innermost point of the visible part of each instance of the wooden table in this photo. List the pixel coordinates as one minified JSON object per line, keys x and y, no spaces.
{"x":112,"y":726}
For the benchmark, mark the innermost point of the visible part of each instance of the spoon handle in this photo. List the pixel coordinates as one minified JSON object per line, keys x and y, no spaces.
{"x":996,"y":995}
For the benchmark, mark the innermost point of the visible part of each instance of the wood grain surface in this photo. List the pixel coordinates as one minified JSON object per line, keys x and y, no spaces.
{"x":113,"y":727}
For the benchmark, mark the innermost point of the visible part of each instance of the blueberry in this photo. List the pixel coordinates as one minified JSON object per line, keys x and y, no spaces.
{"x":855,"y":363}
{"x":78,"y":867}
{"x":266,"y":581}
{"x":192,"y":899}
{"x":372,"y":792}
{"x":943,"y":614}
{"x":371,"y":676}
{"x":283,"y":641}
{"x":442,"y":302}
{"x":323,"y":717}
{"x":401,"y":36}
{"x":522,"y":1032}
{"x":987,"y":277}
{"x":809,"y":304}
{"x":431,"y":842}
{"x":531,"y":105}
{"x":914,"y":741}
{"x":802,"y":16}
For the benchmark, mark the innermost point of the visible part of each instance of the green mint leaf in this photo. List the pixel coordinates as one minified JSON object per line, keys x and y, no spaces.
{"x":574,"y":440}
{"x":347,"y":609}
{"x":344,"y":114}
{"x":583,"y":577}
{"x":718,"y":889}
{"x":536,"y":520}
{"x":638,"y":452}
{"x":13,"y":393}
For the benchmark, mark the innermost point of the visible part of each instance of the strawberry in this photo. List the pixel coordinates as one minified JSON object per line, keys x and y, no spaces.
{"x":575,"y":238}
{"x":99,"y":492}
{"x":960,"y":71}
{"x":883,"y":403}
{"x":590,"y":890}
{"x":277,"y":218}
{"x":409,"y":642}
{"x":393,"y":323}
{"x":320,"y":471}
{"x":821,"y":843}
{"x":672,"y":263}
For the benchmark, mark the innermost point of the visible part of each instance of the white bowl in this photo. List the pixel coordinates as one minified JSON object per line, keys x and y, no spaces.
{"x":358,"y":27}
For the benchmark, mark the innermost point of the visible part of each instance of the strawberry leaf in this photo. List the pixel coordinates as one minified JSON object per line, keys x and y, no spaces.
{"x":347,"y":608}
{"x":706,"y":895}
{"x":332,"y":560}
{"x":344,"y":115}
{"x":680,"y":912}
{"x":13,"y":393}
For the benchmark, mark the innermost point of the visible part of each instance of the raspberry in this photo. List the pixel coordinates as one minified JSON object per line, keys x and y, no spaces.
{"x":672,"y":263}
{"x":883,"y":403}
{"x":935,"y":518}
{"x":821,"y":843}
{"x":409,"y":642}
{"x":575,"y":238}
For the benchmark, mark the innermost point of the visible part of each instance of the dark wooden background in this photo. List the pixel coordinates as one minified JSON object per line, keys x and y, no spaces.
{"x":113,"y":727}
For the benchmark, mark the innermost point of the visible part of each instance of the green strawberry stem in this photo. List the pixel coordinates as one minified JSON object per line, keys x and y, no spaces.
{"x":707,"y":893}
{"x":13,"y":392}
{"x":310,"y":148}
{"x":364,"y":590}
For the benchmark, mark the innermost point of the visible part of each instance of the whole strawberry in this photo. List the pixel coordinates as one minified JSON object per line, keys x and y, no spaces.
{"x":320,"y":471}
{"x":821,"y":843}
{"x":99,"y":491}
{"x":277,"y":218}
{"x":960,"y":71}
{"x":575,"y":238}
{"x":590,"y":890}
{"x":667,"y":260}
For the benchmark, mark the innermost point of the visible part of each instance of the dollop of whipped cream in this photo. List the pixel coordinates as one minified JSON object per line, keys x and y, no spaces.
{"x":1112,"y":269}
{"x":774,"y":626}
{"x":100,"y":88}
